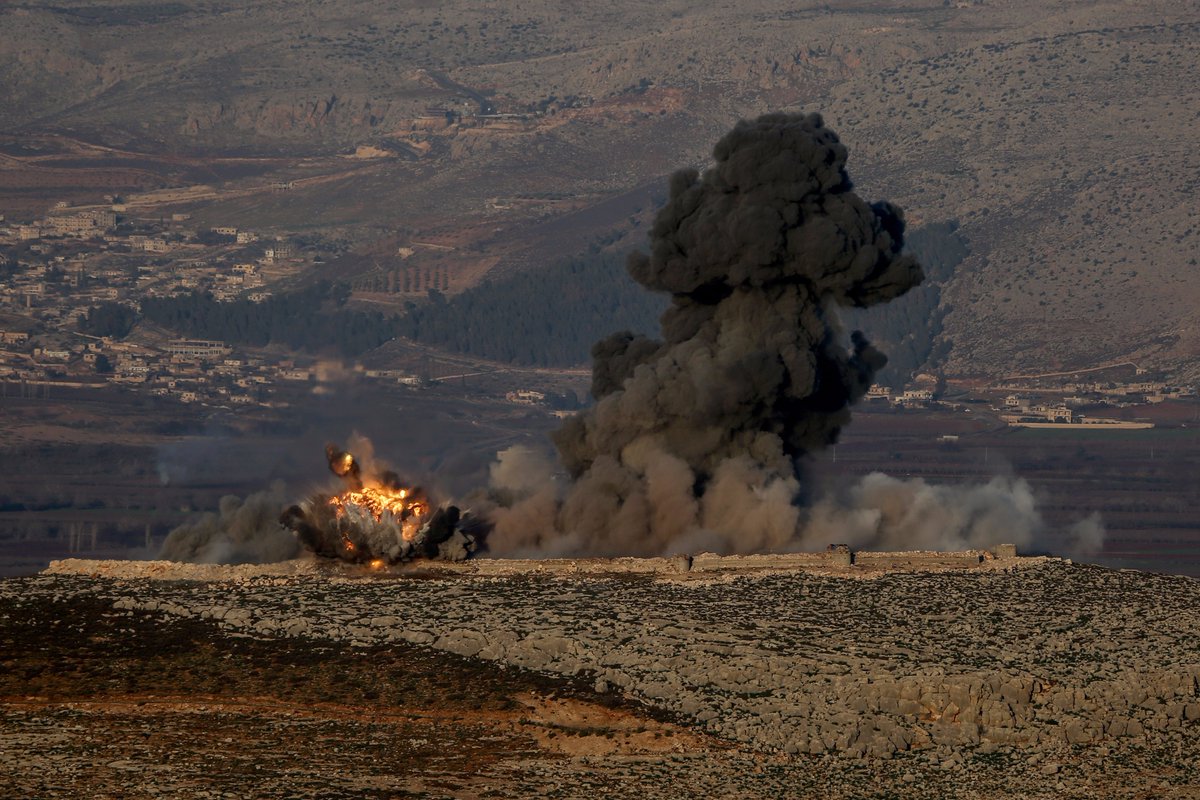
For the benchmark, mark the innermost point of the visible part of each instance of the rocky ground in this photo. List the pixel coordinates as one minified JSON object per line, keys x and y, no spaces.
{"x":1040,"y":679}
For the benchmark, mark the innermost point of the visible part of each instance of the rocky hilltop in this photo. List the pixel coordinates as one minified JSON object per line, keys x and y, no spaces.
{"x":1047,"y":668}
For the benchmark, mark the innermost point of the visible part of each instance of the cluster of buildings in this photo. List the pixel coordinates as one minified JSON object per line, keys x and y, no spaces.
{"x":1065,"y":406}
{"x":61,"y":265}
{"x":189,"y":370}
{"x":906,"y":398}
{"x":1044,"y":405}
{"x":58,"y":268}
{"x":78,"y":224}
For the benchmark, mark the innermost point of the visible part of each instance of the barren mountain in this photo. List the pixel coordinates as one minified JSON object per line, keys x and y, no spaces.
{"x":1060,"y":134}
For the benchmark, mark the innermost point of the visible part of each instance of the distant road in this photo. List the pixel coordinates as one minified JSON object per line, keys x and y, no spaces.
{"x":444,"y":81}
{"x":1071,"y":371}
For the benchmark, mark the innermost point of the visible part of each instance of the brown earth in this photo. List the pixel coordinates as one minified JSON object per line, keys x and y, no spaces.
{"x":135,"y":708}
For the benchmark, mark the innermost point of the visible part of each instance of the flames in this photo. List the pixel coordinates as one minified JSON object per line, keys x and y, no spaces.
{"x":342,"y":464}
{"x":405,"y":506}
{"x":377,"y":518}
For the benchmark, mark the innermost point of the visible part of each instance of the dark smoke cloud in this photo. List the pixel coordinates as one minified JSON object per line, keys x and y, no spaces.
{"x":241,"y":532}
{"x":694,"y":440}
{"x":695,"y":437}
{"x":756,"y":253}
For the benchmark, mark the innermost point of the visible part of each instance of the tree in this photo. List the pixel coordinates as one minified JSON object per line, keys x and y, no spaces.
{"x":108,"y":319}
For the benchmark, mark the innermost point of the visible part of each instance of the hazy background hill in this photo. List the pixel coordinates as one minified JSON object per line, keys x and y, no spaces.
{"x":1060,"y":135}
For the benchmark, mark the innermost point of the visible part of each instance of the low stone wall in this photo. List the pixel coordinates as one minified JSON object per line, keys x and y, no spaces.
{"x":176,"y":571}
{"x":711,"y":562}
{"x":836,"y":561}
{"x":921,"y":558}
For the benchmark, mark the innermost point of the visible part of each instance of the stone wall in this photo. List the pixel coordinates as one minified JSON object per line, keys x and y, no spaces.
{"x":835,"y":561}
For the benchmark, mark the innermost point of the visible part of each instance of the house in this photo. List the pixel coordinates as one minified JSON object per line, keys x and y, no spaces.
{"x":916,"y":396}
{"x":197,"y":348}
{"x":1059,"y":413}
{"x":526,"y":397}
{"x":877,"y":392}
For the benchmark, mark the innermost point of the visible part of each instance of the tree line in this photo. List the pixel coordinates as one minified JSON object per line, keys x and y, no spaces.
{"x":312,"y":319}
{"x":908,"y":329}
{"x":547,"y":317}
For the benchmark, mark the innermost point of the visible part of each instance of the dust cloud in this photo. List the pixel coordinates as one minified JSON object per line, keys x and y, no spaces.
{"x":694,"y":440}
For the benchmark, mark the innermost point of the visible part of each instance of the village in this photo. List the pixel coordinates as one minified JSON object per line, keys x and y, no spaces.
{"x":60,"y":269}
{"x":1067,"y":402}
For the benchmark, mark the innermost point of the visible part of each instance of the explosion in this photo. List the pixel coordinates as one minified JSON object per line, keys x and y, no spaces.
{"x":697,"y":439}
{"x":694,"y":438}
{"x":377,"y":520}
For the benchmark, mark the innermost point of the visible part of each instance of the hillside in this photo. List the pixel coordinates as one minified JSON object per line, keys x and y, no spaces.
{"x":1036,"y":679}
{"x":1058,"y":134}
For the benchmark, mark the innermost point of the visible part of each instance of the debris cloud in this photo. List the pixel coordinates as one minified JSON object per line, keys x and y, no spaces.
{"x":378,"y":519}
{"x":696,"y":436}
{"x":375,"y":519}
{"x":240,"y":532}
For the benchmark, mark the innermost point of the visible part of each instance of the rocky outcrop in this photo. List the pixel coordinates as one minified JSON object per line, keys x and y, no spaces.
{"x":1038,"y":658}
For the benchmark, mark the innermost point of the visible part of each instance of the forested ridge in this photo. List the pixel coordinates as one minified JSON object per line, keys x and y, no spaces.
{"x":313,"y":319}
{"x":547,"y":317}
{"x":907,"y":328}
{"x":543,"y":317}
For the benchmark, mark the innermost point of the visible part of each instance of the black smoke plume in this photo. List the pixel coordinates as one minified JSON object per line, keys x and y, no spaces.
{"x":755,"y":253}
{"x":693,"y":440}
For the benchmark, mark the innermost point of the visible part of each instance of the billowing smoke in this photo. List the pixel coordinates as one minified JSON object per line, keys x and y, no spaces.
{"x":241,"y":532}
{"x":756,"y":254}
{"x":880,"y":512}
{"x":694,"y":440}
{"x":695,"y":437}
